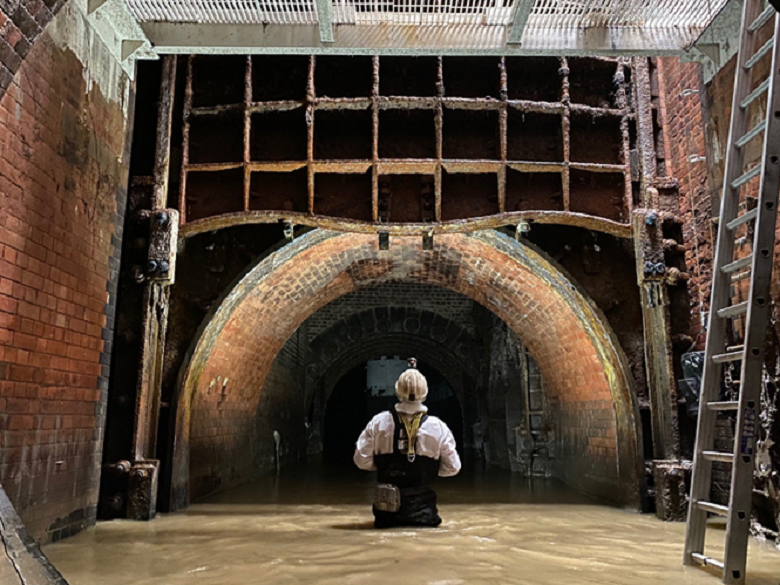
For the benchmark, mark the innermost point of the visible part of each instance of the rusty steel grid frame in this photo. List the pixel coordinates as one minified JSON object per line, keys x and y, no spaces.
{"x":429,"y":166}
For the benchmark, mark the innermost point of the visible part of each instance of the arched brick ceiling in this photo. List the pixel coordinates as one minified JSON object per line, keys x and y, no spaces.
{"x":583,"y":367}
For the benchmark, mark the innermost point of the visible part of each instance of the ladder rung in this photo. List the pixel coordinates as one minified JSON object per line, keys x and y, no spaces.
{"x":727,"y":357}
{"x":724,"y":405}
{"x":762,"y":19}
{"x":755,"y":131}
{"x":714,"y":508}
{"x":755,"y":94}
{"x":706,"y":561}
{"x":766,"y":47}
{"x":751,"y":174}
{"x":744,"y":218}
{"x":718,"y":456}
{"x":740,"y":276}
{"x":733,"y":310}
{"x":737,"y":264}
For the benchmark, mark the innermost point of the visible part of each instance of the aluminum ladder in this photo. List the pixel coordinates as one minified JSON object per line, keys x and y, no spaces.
{"x":757,"y":267}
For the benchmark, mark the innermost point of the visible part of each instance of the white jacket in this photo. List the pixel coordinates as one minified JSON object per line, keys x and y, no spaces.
{"x":434,"y":440}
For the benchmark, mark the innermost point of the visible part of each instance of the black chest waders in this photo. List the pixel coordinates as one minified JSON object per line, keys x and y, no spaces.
{"x":404,"y":496}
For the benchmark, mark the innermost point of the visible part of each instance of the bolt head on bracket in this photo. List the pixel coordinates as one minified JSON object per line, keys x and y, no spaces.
{"x":163,"y":236}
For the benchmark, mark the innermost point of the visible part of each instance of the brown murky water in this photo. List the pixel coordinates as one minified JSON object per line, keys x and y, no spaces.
{"x":306,"y":528}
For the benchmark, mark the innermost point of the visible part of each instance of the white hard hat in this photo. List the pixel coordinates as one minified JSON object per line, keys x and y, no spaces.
{"x":411,"y":386}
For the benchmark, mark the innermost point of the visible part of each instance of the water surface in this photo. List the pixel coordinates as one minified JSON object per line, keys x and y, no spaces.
{"x":314,"y":526}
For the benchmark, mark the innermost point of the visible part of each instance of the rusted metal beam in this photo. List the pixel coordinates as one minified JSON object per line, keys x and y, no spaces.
{"x":375,"y":140}
{"x":472,"y":166}
{"x":216,"y":110}
{"x":185,"y":142}
{"x":439,"y":126}
{"x":566,"y":131}
{"x":536,"y":107}
{"x":405,"y":103}
{"x":247,"y":131}
{"x":644,"y":125}
{"x":582,"y":220}
{"x":162,"y":153}
{"x":155,"y":308}
{"x":622,"y":103}
{"x":503,"y":132}
{"x":310,"y":99}
{"x":325,"y":103}
{"x":277,"y":106}
{"x":407,"y":167}
{"x":652,"y":276}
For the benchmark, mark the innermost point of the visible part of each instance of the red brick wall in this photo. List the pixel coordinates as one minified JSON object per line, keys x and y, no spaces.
{"x":21,"y":24}
{"x":701,"y":188}
{"x":682,"y":114}
{"x":568,"y":352}
{"x":62,"y":189}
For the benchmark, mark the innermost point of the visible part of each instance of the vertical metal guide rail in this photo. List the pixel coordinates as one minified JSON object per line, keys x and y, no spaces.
{"x":755,"y":267}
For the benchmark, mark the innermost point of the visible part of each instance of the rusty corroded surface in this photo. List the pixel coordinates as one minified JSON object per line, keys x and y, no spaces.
{"x":566,"y":131}
{"x":645,"y":134}
{"x":534,"y":133}
{"x":185,"y":147}
{"x":622,"y":103}
{"x":164,"y":122}
{"x":653,"y":277}
{"x":470,"y":225}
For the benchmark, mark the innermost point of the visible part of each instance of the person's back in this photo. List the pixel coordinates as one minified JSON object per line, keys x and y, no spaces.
{"x":409,"y":449}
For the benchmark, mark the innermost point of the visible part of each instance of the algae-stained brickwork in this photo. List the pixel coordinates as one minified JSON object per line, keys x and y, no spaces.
{"x":63,"y":174}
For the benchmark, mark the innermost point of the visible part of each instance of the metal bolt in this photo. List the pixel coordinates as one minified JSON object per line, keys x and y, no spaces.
{"x":649,"y":267}
{"x":651,"y":218}
{"x":138,"y":275}
{"x":152,"y":266}
{"x":660,"y":268}
{"x":164,"y":266}
{"x":161,"y":219}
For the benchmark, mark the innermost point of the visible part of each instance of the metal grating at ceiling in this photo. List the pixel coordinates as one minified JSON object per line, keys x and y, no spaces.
{"x":225,"y":11}
{"x":615,"y":27}
{"x":691,"y":14}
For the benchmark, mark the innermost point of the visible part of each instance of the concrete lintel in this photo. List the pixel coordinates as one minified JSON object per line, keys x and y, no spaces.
{"x":93,"y":5}
{"x":719,"y":42}
{"x":130,"y":46}
{"x":215,"y":38}
{"x":120,"y":32}
{"x":325,"y":20}
{"x":523,"y":12}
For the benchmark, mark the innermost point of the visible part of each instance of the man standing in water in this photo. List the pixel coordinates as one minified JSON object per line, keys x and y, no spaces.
{"x":408,"y":448}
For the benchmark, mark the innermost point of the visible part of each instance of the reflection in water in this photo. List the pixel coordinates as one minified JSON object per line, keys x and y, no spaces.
{"x":308,"y":527}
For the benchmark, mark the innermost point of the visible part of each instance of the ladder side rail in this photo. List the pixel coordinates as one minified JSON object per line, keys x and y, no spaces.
{"x":716,"y":327}
{"x":755,"y":335}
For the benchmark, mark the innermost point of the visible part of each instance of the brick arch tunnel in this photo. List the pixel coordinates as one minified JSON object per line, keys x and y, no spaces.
{"x":598,"y":445}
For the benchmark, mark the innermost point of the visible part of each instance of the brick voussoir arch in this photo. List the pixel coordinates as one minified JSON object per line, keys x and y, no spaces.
{"x":350,"y":334}
{"x":583,"y":366}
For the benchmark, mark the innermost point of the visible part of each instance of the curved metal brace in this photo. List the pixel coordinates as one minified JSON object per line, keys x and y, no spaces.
{"x":582,"y":220}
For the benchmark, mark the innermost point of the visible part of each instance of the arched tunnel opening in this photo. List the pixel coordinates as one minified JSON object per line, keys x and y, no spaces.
{"x":518,"y":368}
